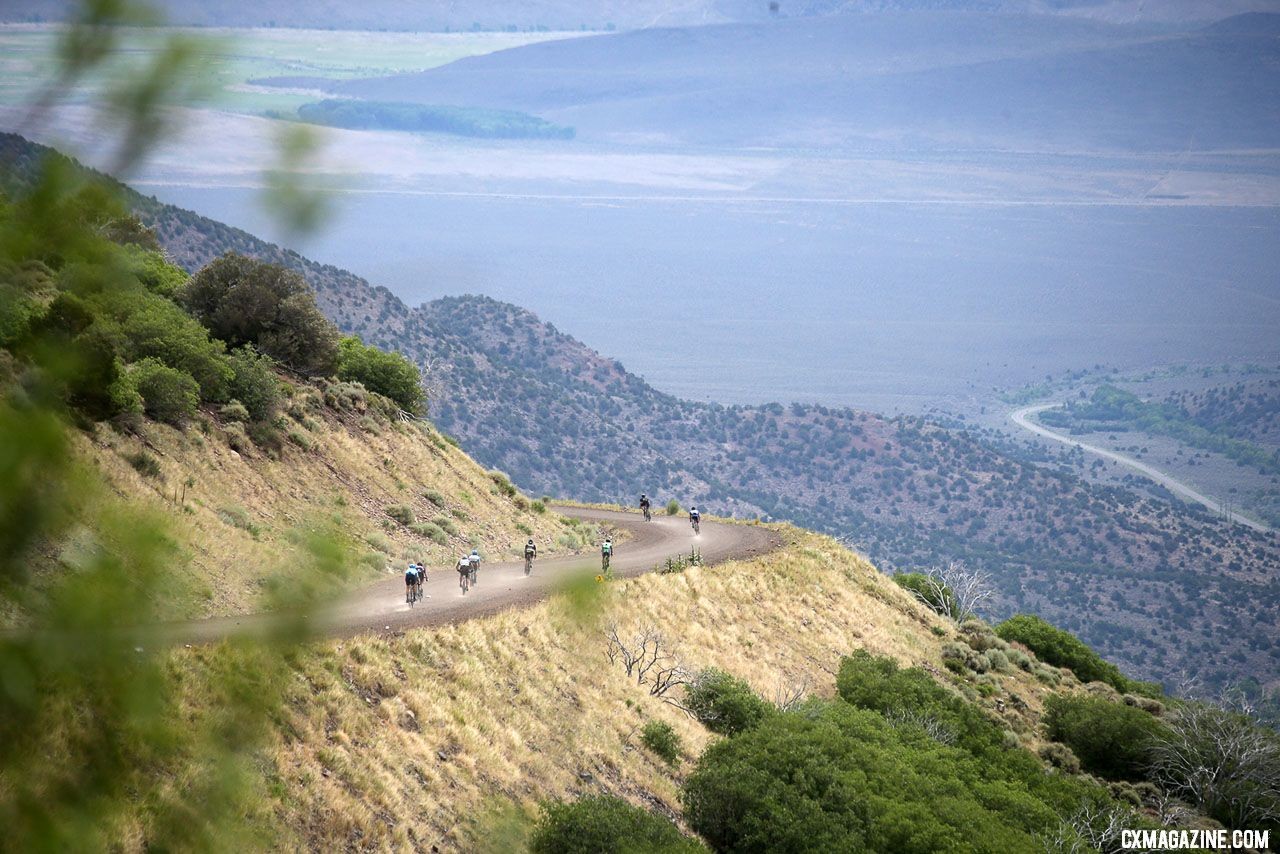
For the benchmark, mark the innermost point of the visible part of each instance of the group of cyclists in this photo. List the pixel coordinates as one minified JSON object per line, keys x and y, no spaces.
{"x":468,"y":566}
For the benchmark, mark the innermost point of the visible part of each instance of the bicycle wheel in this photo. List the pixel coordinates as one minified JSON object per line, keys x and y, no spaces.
{"x":528,"y":565}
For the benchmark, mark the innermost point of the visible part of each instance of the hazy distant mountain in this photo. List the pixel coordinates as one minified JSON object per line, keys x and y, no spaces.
{"x":620,"y":14}
{"x":928,"y":80}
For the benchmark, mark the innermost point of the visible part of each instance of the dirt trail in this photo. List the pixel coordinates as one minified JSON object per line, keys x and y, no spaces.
{"x":381,"y":606}
{"x":1022,"y":417}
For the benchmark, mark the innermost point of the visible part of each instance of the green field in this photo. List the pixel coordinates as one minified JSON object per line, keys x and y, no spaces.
{"x":232,"y":57}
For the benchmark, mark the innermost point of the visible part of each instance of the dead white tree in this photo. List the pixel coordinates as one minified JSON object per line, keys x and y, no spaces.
{"x":649,"y":658}
{"x":1089,"y":829}
{"x":934,"y":728}
{"x":955,"y":591}
{"x":788,"y":696}
{"x":1223,"y":761}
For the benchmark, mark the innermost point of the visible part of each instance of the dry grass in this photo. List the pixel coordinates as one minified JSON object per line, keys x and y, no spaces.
{"x":238,"y":520}
{"x":402,"y":741}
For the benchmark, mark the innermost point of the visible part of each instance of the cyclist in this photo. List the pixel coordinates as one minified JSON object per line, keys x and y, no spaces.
{"x":464,"y":573}
{"x":644,"y":506}
{"x":530,"y":552}
{"x":695,"y":519}
{"x":606,"y":552}
{"x":422,"y":580}
{"x":411,"y":583}
{"x":475,"y":566}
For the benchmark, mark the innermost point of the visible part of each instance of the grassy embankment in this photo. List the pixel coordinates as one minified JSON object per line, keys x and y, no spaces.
{"x":415,"y":739}
{"x":237,"y":513}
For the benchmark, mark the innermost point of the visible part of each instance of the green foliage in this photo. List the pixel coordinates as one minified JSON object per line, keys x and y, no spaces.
{"x":1060,"y":757}
{"x":435,"y":496}
{"x":836,"y":778}
{"x":463,"y":121}
{"x":1111,"y":739}
{"x":142,"y":325}
{"x":168,"y":394}
{"x":153,"y":270}
{"x":429,"y":531}
{"x":388,"y":374}
{"x":673,"y":507}
{"x":1113,"y":408}
{"x":244,"y":301}
{"x":602,"y":823}
{"x":234,"y":411}
{"x":143,"y":463}
{"x":504,"y":485}
{"x":254,"y":384}
{"x":238,"y":517}
{"x":402,"y":513}
{"x":724,"y":703}
{"x":934,"y":595}
{"x":663,"y":740}
{"x":879,"y":684}
{"x":1062,"y":649}
{"x":538,"y":506}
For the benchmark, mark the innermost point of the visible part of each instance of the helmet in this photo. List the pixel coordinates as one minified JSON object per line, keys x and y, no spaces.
{"x":691,"y":509}
{"x":531,"y":541}
{"x":642,"y":495}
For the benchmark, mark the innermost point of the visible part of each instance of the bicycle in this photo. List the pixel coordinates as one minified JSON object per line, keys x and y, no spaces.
{"x":528,"y":564}
{"x":464,"y":580}
{"x":604,"y":562}
{"x":410,"y":594}
{"x":648,"y":515}
{"x":697,"y":526}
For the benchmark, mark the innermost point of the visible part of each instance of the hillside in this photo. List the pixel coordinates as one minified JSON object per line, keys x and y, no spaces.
{"x":407,"y":739}
{"x":1126,"y":572}
{"x":986,"y":81}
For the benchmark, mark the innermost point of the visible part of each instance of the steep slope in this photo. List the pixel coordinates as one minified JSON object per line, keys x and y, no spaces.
{"x":1152,"y":583}
{"x":428,"y":738}
{"x":920,"y":81}
{"x":344,"y":466}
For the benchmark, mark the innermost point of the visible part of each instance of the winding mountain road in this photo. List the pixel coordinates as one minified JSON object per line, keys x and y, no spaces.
{"x":1022,"y":417}
{"x":381,"y":606}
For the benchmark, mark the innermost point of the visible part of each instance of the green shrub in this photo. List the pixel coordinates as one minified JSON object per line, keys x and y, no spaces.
{"x":1111,"y":739}
{"x":237,"y":439}
{"x":238,"y":517}
{"x":538,"y":507}
{"x":1061,"y":649}
{"x":245,"y":301}
{"x":997,"y":661}
{"x":524,"y":529}
{"x":663,"y":740}
{"x":504,"y":485}
{"x":673,"y":507}
{"x":1148,"y":705}
{"x":143,"y":463}
{"x":879,"y":684}
{"x":1060,"y":757}
{"x":723,"y":703}
{"x":434,"y":496}
{"x":429,"y":531}
{"x":301,"y":439}
{"x":379,"y":542}
{"x":374,"y":561}
{"x":143,"y":325}
{"x":234,"y":411}
{"x":836,"y":778}
{"x":402,"y":513}
{"x":168,"y":394}
{"x":346,"y":396}
{"x":254,"y":384}
{"x":446,"y":524}
{"x":388,"y":374}
{"x":594,"y":824}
